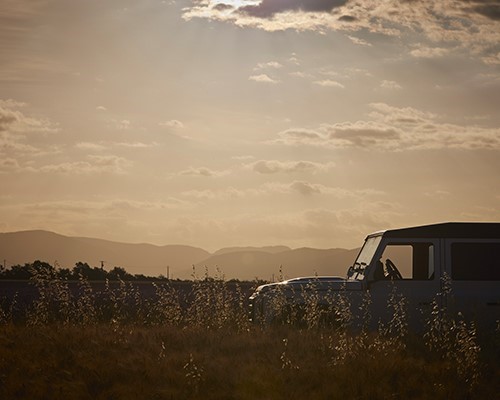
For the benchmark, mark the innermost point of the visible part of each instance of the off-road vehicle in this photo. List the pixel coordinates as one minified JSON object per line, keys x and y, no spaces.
{"x":455,"y":266}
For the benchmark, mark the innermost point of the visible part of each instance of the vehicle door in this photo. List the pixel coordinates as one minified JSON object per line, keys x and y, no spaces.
{"x":410,"y":278}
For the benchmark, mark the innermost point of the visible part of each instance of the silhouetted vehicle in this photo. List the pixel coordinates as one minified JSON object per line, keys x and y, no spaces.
{"x":452,"y":266}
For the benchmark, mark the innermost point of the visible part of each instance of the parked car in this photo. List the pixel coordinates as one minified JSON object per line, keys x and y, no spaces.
{"x":455,"y":266}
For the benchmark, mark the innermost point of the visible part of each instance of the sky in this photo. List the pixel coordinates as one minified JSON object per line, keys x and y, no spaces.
{"x":220,"y":123}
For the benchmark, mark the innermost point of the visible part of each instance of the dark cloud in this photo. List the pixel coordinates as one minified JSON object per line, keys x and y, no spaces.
{"x":347,"y":18}
{"x":223,"y":7}
{"x":305,"y":188}
{"x":268,"y":8}
{"x":489,"y":10}
{"x":203,"y":172}
{"x":6,"y":118}
{"x":364,"y":136}
{"x":275,"y":166}
{"x":407,"y":120}
{"x":301,"y":134}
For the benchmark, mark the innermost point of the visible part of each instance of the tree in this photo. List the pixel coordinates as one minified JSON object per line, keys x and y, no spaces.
{"x":119,"y":273}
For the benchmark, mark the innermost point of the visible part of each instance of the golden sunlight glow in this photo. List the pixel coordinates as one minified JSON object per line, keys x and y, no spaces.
{"x":301,"y":123}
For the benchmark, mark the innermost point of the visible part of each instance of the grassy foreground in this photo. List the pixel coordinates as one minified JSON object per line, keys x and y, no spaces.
{"x":106,"y":361}
{"x":118,"y":344}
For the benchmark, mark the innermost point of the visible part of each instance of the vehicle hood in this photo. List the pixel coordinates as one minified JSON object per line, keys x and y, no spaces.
{"x":334,"y":283}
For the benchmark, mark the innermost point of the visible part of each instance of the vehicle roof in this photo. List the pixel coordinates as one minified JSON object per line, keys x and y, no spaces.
{"x":455,"y":230}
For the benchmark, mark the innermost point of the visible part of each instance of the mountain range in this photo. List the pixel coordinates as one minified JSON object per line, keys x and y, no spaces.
{"x":178,"y":261}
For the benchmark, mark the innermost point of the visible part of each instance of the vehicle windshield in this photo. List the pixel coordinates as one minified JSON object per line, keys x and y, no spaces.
{"x":365,"y":256}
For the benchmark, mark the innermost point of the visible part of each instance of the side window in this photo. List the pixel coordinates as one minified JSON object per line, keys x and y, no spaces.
{"x":475,"y":261}
{"x":412,"y":260}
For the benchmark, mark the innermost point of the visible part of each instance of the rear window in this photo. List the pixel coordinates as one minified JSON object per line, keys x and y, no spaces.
{"x":475,"y":261}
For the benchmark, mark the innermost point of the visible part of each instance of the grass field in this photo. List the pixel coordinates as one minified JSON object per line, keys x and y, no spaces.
{"x":115,"y":345}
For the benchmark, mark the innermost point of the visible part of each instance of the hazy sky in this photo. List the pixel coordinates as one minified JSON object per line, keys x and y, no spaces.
{"x":220,"y":123}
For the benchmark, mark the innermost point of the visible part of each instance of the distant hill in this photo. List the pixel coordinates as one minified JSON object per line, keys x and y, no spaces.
{"x":266,"y":249}
{"x":245,"y":263}
{"x":28,"y":246}
{"x":249,"y":265}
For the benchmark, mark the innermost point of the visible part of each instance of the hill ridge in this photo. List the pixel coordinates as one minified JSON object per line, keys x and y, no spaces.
{"x":240,"y":262}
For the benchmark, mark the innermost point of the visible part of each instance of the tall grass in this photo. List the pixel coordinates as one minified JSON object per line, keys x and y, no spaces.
{"x":117,"y":343}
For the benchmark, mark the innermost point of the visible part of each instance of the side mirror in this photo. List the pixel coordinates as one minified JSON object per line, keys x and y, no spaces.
{"x":350,"y":271}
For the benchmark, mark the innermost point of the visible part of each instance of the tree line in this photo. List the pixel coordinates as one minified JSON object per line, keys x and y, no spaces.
{"x":80,"y":270}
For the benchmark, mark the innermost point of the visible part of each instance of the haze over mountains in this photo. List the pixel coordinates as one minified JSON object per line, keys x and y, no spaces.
{"x":245,"y":263}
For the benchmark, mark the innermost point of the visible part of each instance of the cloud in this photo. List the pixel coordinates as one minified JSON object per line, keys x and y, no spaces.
{"x":101,"y":108}
{"x":302,"y":188}
{"x":8,"y":165}
{"x":243,"y":158}
{"x":128,"y":205}
{"x":429,"y":52}
{"x":222,"y":194}
{"x":361,"y":134}
{"x":294,"y":59}
{"x":203,"y":172}
{"x":438,"y":194}
{"x":118,"y":205}
{"x":359,"y":41}
{"x":275,"y":166}
{"x":101,"y":146}
{"x":123,"y":124}
{"x":263,"y":78}
{"x":468,"y":26}
{"x":399,"y":115}
{"x":300,"y":136}
{"x":491,"y":9}
{"x":390,"y":85}
{"x":16,"y":122}
{"x":90,"y":146}
{"x":493,"y":59}
{"x":329,"y":83}
{"x":135,"y":145}
{"x":268,"y":8}
{"x":17,"y":129}
{"x":10,"y":103}
{"x":270,"y":64}
{"x":11,"y":145}
{"x":394,"y":129}
{"x":306,"y":188}
{"x":223,"y":7}
{"x":95,"y":164}
{"x":347,"y":18}
{"x":300,"y":74}
{"x":173,"y":123}
{"x":7,"y":119}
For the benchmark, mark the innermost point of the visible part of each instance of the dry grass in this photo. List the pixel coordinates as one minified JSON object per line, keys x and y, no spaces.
{"x":67,"y":361}
{"x":117,"y":345}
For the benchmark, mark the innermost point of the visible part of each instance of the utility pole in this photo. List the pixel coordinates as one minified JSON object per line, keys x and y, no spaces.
{"x":168,"y":271}
{"x":102,"y":264}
